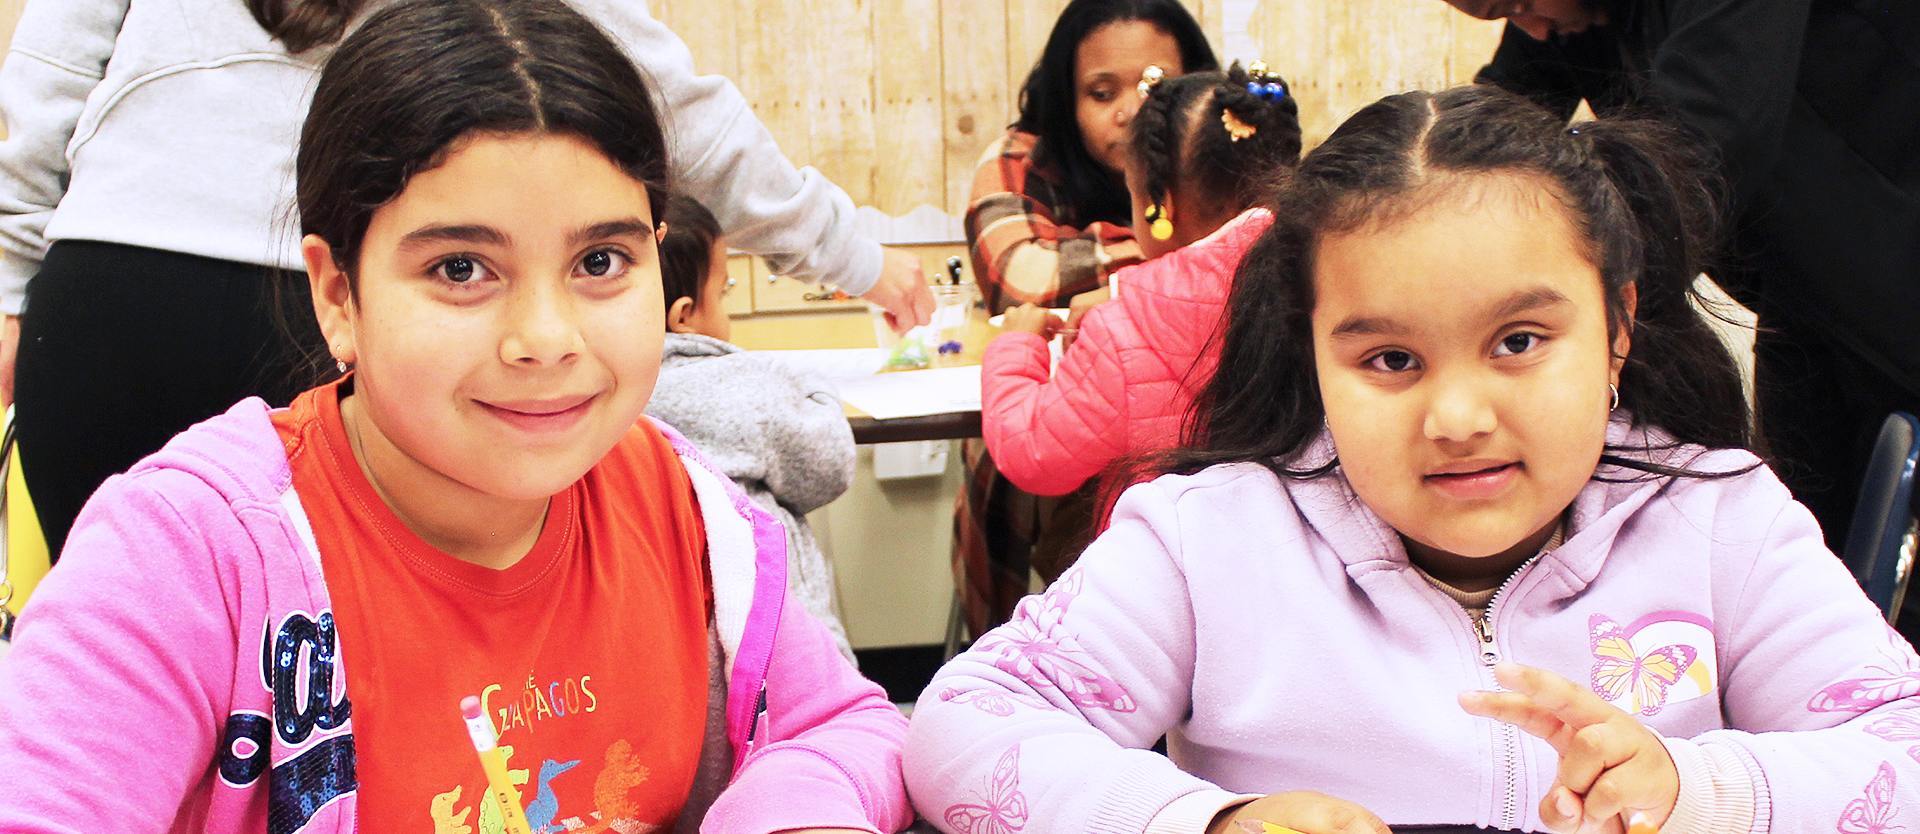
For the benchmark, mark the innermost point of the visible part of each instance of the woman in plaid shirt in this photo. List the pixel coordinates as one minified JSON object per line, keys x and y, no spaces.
{"x":1049,"y":214}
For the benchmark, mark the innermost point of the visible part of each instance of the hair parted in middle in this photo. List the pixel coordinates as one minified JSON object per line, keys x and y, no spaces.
{"x":420,"y":75}
{"x":1639,"y":192}
{"x":1181,"y":141}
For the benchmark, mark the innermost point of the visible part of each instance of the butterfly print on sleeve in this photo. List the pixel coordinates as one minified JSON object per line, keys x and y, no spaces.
{"x":1873,"y":812}
{"x":991,"y":702}
{"x":1898,"y":727}
{"x":1882,"y":684}
{"x":1036,"y":648}
{"x":1005,"y":810}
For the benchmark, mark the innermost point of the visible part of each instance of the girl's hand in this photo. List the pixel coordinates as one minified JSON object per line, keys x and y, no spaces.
{"x":1304,"y":811}
{"x":1610,"y":764}
{"x":1031,"y":318}
{"x":1077,"y":310}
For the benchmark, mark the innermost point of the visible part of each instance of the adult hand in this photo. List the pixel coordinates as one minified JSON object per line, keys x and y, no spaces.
{"x":1307,"y":812}
{"x":9,"y":350}
{"x":1031,"y":318}
{"x":1610,"y":764}
{"x":1077,"y":309}
{"x":902,"y":291}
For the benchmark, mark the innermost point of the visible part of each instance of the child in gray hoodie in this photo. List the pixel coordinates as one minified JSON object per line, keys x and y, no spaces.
{"x":776,"y":430}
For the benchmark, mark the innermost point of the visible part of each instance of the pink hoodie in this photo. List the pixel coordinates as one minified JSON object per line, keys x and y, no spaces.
{"x":138,"y":697}
{"x":1126,"y":383}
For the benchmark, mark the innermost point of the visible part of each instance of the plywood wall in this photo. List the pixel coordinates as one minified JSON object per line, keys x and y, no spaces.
{"x":895,"y":99}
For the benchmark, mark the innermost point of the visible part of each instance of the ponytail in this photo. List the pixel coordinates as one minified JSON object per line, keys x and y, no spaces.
{"x":1180,"y":138}
{"x":304,"y":24}
{"x":1678,"y":374}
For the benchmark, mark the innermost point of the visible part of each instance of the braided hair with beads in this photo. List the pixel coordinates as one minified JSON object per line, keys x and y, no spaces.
{"x":1216,"y":138}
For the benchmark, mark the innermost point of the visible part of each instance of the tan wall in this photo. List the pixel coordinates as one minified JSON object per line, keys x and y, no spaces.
{"x":895,"y":99}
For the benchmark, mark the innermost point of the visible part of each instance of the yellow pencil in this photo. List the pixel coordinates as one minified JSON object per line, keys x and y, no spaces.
{"x":495,"y":765}
{"x":1264,"y":827}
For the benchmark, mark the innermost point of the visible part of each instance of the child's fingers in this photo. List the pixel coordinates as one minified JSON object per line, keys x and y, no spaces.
{"x":1523,"y":712}
{"x":1595,"y":752}
{"x":1310,"y":812}
{"x":1562,"y":810}
{"x":1571,"y":702}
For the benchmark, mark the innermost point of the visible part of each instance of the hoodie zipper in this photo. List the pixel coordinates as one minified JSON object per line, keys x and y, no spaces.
{"x":1509,"y":735}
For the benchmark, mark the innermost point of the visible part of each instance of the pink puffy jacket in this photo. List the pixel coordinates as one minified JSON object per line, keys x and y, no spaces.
{"x":1125,"y":385}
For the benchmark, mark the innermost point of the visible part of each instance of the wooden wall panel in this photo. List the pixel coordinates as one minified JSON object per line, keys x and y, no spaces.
{"x":837,"y":92}
{"x":710,"y":30}
{"x":976,"y":100}
{"x":911,"y":162}
{"x":777,"y":57}
{"x":896,"y":99}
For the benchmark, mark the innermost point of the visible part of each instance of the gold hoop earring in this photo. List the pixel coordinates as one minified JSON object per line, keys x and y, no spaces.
{"x":1615,"y":390}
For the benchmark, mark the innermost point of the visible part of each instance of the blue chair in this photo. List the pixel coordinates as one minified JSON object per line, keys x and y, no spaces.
{"x":1881,"y":542}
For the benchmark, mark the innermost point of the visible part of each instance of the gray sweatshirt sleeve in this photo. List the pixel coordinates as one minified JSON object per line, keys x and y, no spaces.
{"x":724,"y":157}
{"x":59,"y":54}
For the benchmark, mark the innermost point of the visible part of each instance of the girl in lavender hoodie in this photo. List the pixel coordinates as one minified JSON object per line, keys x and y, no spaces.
{"x":1468,"y":536}
{"x":272,"y":624}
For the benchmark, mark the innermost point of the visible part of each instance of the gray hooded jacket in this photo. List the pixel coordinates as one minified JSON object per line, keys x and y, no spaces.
{"x":778,"y":432}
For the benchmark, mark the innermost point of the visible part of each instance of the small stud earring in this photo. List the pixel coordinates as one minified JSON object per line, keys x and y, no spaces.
{"x":1615,"y":390}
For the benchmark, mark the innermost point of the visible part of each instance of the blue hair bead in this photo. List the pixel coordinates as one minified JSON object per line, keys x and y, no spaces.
{"x":1275,"y":91}
{"x":1255,"y":88}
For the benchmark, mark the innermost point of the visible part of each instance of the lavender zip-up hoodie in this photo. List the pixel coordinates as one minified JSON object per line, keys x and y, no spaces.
{"x":179,"y":672}
{"x":1277,"y":634}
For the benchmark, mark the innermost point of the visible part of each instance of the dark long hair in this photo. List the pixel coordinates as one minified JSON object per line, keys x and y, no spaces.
{"x":304,"y":24}
{"x":1639,"y":191}
{"x":1180,"y":140}
{"x":686,"y":250}
{"x":1048,"y":108}
{"x":421,"y":74}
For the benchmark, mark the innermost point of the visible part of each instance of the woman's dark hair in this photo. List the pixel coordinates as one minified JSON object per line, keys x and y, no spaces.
{"x":1639,"y":192}
{"x":304,"y":24}
{"x":420,"y":75}
{"x":1181,"y":142}
{"x":686,"y":250}
{"x":1049,"y":109}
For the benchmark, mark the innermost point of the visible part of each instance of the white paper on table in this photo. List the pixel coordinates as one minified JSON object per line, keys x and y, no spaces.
{"x":914,"y":393}
{"x":834,"y":364}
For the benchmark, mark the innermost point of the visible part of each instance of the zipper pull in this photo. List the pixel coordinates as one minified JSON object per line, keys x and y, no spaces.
{"x":1489,"y":655}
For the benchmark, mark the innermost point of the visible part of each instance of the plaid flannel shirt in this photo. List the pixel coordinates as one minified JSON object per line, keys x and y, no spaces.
{"x":1020,"y":252}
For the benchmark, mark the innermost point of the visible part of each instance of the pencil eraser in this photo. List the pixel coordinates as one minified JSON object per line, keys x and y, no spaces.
{"x":470,"y":707}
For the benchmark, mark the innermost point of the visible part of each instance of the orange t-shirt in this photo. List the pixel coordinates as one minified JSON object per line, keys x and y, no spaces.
{"x":589,"y":654}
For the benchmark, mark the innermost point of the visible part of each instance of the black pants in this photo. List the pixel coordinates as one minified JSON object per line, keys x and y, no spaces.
{"x":121,"y":348}
{"x":1821,"y":406}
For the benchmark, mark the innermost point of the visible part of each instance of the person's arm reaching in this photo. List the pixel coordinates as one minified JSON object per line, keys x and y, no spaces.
{"x":723,"y":156}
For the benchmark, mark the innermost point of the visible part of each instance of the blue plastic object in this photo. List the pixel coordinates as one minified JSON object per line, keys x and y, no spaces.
{"x":1882,"y":540}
